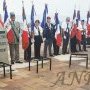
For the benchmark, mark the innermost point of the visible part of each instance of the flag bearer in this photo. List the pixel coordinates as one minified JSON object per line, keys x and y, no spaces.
{"x":73,"y":38}
{"x":14,"y":46}
{"x":82,"y":27}
{"x":48,"y":37}
{"x":66,"y":27}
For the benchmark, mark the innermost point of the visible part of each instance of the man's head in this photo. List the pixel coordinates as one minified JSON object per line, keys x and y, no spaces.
{"x":68,"y":19}
{"x":48,"y":19}
{"x":37,"y":22}
{"x":12,"y":16}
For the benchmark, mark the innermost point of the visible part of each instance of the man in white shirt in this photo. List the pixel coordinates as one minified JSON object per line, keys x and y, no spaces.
{"x":82,"y":27}
{"x":38,"y":32}
{"x":66,"y":26}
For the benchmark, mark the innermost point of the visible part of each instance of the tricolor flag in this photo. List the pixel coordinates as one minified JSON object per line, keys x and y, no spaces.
{"x":32,"y":17}
{"x":5,"y":11}
{"x":25,"y":38}
{"x":74,"y":26}
{"x":23,"y":12}
{"x":74,"y":30}
{"x":10,"y":34}
{"x":57,"y":33}
{"x":44,"y":16}
{"x":78,"y":35}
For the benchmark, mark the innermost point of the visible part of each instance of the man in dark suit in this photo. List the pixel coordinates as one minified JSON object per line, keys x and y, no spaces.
{"x":48,"y":37}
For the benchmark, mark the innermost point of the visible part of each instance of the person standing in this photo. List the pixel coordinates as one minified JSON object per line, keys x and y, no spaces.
{"x":73,"y":38}
{"x":14,"y":46}
{"x":48,"y":37}
{"x":38,"y":32}
{"x":82,"y":28}
{"x":66,"y":26}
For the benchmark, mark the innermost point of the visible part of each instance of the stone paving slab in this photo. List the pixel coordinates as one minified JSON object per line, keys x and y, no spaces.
{"x":60,"y":78}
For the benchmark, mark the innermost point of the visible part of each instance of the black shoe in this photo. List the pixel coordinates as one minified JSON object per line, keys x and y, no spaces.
{"x":52,"y":55}
{"x":59,"y":54}
{"x":85,"y":50}
{"x":19,"y":62}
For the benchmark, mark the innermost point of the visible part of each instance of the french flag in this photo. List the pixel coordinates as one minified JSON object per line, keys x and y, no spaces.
{"x":25,"y":35}
{"x":79,"y":34}
{"x":57,"y":33}
{"x":5,"y":11}
{"x":58,"y":37}
{"x":7,"y":25}
{"x":10,"y":34}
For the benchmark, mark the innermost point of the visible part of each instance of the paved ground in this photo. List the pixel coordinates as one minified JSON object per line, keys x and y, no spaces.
{"x":60,"y":78}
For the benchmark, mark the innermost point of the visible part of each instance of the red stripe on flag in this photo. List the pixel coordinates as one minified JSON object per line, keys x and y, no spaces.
{"x":73,"y":31}
{"x":25,"y":40}
{"x":10,"y":36}
{"x":58,"y":40}
{"x":79,"y":35}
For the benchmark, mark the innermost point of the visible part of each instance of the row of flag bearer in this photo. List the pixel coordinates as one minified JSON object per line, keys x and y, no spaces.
{"x":68,"y":37}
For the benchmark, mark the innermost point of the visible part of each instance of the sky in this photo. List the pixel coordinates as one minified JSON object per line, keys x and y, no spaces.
{"x":63,"y":7}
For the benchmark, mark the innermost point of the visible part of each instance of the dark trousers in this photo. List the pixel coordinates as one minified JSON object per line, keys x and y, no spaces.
{"x":37,"y":50}
{"x":27,"y":52}
{"x":37,"y":47}
{"x":55,"y":47}
{"x":84,"y":42}
{"x":65,"y":44}
{"x":47,"y":45}
{"x":14,"y":52}
{"x":79,"y":45}
{"x":73,"y":44}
